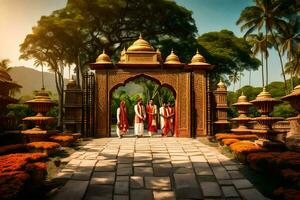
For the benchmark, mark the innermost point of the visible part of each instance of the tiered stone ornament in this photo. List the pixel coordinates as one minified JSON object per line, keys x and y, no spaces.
{"x":221,"y":122}
{"x":265,"y":105}
{"x":293,"y":137}
{"x":41,"y":104}
{"x":242,"y":106}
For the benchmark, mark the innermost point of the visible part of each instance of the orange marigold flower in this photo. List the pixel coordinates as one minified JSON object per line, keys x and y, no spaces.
{"x":43,"y":145}
{"x":12,"y":148}
{"x":36,"y":166}
{"x":221,"y":136}
{"x":62,"y":138}
{"x":245,"y":147}
{"x":229,"y":141}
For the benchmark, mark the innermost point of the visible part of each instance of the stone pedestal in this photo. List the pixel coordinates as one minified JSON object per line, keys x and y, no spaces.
{"x":293,"y":136}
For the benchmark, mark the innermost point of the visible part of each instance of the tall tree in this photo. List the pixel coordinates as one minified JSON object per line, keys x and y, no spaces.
{"x":227,"y":52}
{"x":258,"y":43}
{"x":234,"y":78}
{"x":267,"y":14}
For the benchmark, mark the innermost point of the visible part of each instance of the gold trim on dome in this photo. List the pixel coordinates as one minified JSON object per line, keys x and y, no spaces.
{"x":221,"y":84}
{"x":103,"y":58}
{"x":140,"y":45}
{"x":159,"y":58}
{"x":264,"y":94}
{"x":172,"y":58}
{"x":198,"y":58}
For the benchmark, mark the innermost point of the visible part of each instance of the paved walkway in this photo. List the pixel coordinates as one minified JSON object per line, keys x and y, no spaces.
{"x":152,"y":168}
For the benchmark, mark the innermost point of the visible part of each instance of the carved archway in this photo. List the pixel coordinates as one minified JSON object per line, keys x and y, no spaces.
{"x":132,"y":78}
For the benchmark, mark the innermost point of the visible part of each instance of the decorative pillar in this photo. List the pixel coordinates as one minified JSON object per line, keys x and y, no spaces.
{"x":73,"y":107}
{"x":293,"y":136}
{"x":221,"y":123}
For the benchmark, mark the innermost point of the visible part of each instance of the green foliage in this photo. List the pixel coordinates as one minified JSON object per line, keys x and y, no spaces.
{"x":53,"y":112}
{"x":19,"y":111}
{"x":227,"y":52}
{"x":284,"y":110}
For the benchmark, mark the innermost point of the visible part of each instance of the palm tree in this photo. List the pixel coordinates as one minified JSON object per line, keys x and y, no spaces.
{"x":267,"y":14}
{"x":290,"y":44}
{"x":39,"y":62}
{"x":293,"y":67}
{"x":258,"y":43}
{"x":234,"y":78}
{"x":4,"y":64}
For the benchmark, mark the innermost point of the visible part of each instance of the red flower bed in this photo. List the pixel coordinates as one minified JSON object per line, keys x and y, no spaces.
{"x":16,"y":162}
{"x":287,"y":193}
{"x":37,"y":171}
{"x":263,"y":161}
{"x":291,"y":176}
{"x":229,"y":141}
{"x":221,"y":136}
{"x":64,"y":140}
{"x":245,"y":147}
{"x":46,"y":147}
{"x":13,"y":148}
{"x":11,"y":183}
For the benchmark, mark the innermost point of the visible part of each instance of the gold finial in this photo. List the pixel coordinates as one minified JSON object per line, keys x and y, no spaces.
{"x":242,"y":98}
{"x":103,"y":58}
{"x":140,"y":45}
{"x":172,"y":58}
{"x":198,"y":58}
{"x":264,"y":94}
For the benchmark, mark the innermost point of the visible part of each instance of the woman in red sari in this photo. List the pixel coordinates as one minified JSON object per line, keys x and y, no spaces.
{"x":152,"y":113}
{"x":122,"y":120}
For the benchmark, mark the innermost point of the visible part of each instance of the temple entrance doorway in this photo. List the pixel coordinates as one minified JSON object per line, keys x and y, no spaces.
{"x":145,"y":87}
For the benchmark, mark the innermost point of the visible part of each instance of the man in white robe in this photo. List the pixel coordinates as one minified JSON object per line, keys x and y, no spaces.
{"x":139,"y":118}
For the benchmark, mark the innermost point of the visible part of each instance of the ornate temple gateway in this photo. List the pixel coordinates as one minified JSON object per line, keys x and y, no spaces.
{"x":188,"y":82}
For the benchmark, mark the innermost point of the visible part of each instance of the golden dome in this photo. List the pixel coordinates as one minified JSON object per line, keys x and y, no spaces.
{"x":221,"y":85}
{"x":264,"y":94}
{"x":140,"y":45}
{"x":198,"y":58}
{"x":172,"y":59}
{"x":242,"y":98}
{"x":103,"y":58}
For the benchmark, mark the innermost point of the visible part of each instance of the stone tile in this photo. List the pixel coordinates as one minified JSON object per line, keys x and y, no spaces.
{"x":122,"y":179}
{"x":142,"y":164}
{"x":164,"y":195}
{"x":220,"y":173}
{"x":136,"y":182}
{"x":162,"y":171}
{"x":103,"y":192}
{"x":158,"y":183}
{"x":179,"y":163}
{"x":106,"y":178}
{"x":143,"y":171}
{"x":204,"y":171}
{"x":182,"y":170}
{"x":232,"y":167}
{"x":185,"y":181}
{"x":242,"y":183}
{"x":126,"y":171}
{"x":63,"y":175}
{"x":229,"y":191}
{"x":121,"y":197}
{"x":121,"y":187}
{"x":82,"y":174}
{"x":236,"y":174}
{"x":206,"y":178}
{"x":73,"y":189}
{"x":225,"y":182}
{"x":211,"y":189}
{"x":141,"y":194}
{"x":250,"y":194}
{"x":188,"y":193}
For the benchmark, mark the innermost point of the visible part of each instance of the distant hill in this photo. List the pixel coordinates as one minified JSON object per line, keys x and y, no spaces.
{"x":30,"y":80}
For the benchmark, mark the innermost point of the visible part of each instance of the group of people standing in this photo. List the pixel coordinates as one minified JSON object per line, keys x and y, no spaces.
{"x":166,"y":113}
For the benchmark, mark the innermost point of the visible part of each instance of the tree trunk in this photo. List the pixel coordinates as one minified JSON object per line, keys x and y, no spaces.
{"x":250,"y":77}
{"x":266,"y":53}
{"x":262,"y":69}
{"x":59,"y":99}
{"x":77,"y":72}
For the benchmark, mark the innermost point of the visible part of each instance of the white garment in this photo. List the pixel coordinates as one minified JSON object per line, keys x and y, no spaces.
{"x":119,"y":132}
{"x":139,"y":127}
{"x":162,"y":119}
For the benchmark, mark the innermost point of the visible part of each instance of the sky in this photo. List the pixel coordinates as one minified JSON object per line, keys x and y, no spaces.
{"x":17,"y":17}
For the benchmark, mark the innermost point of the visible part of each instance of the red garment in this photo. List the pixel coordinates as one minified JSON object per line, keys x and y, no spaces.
{"x":137,"y":119}
{"x":166,"y":127}
{"x":123,"y":125}
{"x":151,"y":119}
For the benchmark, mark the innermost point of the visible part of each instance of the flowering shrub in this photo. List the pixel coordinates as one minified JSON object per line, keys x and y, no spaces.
{"x":13,"y":148}
{"x":229,"y":141}
{"x":64,"y":140}
{"x":263,"y":160}
{"x":221,"y":136}
{"x":43,"y":145}
{"x":287,"y":193}
{"x":11,"y":183}
{"x":289,"y":159}
{"x":244,"y":147}
{"x":291,"y":176}
{"x":16,"y":162}
{"x":37,"y":171}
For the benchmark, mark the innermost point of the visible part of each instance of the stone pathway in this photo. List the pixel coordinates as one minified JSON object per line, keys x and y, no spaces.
{"x":152,"y":168}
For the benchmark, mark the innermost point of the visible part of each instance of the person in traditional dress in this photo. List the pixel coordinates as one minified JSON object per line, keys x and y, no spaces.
{"x":164,"y":119}
{"x":139,"y":118}
{"x":122,"y":120}
{"x":171,"y":117}
{"x":151,"y":117}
